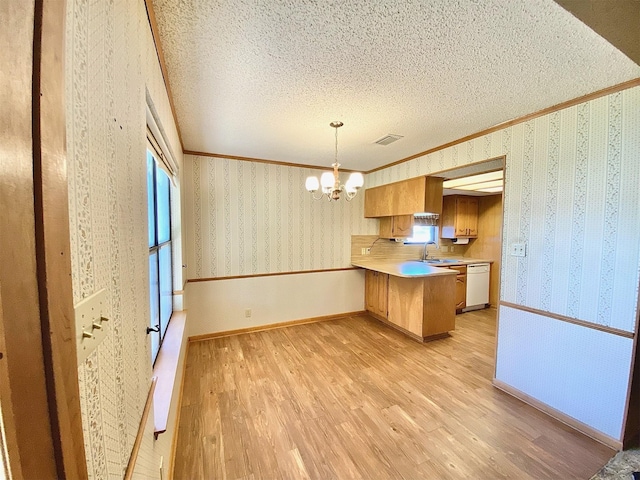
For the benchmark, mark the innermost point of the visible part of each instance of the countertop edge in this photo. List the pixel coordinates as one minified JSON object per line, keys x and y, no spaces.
{"x":389,"y":269}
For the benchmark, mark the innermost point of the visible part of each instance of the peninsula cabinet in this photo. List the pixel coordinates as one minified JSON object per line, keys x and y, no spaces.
{"x":376,"y":286}
{"x":416,"y":195}
{"x":413,"y":297}
{"x":459,"y":217}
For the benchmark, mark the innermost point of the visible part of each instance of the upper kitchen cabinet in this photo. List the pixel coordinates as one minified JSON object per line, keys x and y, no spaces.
{"x":397,"y":226}
{"x":459,"y":217}
{"x":416,"y":195}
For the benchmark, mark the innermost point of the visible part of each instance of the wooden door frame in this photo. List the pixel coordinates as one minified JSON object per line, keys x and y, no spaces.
{"x":39,"y":391}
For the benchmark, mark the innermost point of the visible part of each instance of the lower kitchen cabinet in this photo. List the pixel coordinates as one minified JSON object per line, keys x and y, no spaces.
{"x":461,"y":287}
{"x":461,"y":292}
{"x":376,"y":287}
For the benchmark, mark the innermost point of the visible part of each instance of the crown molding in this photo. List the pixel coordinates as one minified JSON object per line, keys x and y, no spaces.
{"x":263,"y":160}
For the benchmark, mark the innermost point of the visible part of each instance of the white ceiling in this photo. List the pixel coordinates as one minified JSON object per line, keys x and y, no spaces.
{"x":263,"y":79}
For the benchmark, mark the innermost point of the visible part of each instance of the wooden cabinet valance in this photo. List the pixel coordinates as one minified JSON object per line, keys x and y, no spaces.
{"x":420,"y":194}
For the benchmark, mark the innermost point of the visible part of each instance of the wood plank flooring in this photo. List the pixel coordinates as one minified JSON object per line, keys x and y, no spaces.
{"x":353,"y":398}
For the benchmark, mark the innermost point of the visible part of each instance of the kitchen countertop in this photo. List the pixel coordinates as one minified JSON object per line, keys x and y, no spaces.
{"x":414,"y":268}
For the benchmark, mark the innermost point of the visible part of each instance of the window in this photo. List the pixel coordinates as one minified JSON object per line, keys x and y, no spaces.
{"x":422,"y":234}
{"x":160,"y":260}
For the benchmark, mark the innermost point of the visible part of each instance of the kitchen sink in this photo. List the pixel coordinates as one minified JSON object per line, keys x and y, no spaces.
{"x":441,"y":261}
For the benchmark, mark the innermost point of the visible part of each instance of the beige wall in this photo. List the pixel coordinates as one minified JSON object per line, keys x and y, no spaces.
{"x":244,"y":218}
{"x":112,"y":73}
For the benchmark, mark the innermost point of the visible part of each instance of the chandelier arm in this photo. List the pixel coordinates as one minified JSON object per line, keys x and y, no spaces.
{"x":317,"y":198}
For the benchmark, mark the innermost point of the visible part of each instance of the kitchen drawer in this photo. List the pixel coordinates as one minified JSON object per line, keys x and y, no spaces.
{"x":461,"y":269}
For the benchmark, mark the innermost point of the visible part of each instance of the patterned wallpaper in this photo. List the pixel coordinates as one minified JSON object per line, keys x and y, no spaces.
{"x":572,"y":196}
{"x":245,"y":218}
{"x":111,"y":63}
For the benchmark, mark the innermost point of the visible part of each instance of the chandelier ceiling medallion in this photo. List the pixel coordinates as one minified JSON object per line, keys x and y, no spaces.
{"x":330,"y":181}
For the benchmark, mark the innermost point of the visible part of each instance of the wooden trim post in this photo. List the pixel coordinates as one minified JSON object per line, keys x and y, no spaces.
{"x":39,"y":393}
{"x":53,"y":248}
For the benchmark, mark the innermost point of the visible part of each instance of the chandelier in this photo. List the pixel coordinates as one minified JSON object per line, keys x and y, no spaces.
{"x":330,"y":181}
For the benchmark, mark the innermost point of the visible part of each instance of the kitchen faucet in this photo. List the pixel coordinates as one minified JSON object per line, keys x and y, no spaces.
{"x":425,"y":254}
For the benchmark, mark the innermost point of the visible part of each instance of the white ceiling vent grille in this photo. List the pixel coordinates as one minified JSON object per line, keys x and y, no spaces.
{"x":387,"y":139}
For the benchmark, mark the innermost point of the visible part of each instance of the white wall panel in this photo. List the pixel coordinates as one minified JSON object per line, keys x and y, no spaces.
{"x":220,"y":305}
{"x":579,"y":371}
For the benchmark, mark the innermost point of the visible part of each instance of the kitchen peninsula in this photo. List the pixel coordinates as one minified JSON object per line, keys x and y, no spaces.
{"x":411,"y":296}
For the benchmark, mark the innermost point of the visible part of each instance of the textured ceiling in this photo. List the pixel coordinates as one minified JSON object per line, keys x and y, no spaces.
{"x":264,"y":78}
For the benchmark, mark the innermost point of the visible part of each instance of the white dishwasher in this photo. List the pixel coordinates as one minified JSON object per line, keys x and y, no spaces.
{"x":477,"y":286}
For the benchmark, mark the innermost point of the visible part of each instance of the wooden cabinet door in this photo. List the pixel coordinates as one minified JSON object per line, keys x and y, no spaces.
{"x":376,"y":292}
{"x":472,"y":217}
{"x":383,"y":294}
{"x":459,"y":217}
{"x":408,"y":196}
{"x":461,"y":292}
{"x":402,"y":226}
{"x":462,"y":208}
{"x":370,"y":290}
{"x":398,"y":226}
{"x":448,"y":218}
{"x":377,"y":202}
{"x":386,"y":227}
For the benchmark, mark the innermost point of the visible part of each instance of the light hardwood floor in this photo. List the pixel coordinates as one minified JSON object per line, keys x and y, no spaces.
{"x":353,"y":398}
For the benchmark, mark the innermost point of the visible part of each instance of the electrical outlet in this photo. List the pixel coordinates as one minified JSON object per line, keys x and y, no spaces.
{"x":453,"y":249}
{"x":247,"y":312}
{"x":518,"y":249}
{"x":365,"y":251}
{"x":444,"y":249}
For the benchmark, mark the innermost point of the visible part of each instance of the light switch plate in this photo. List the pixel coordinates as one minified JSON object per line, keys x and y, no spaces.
{"x":518,"y":249}
{"x":91,"y":324}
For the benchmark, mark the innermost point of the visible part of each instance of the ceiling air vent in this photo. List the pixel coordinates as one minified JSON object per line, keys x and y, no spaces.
{"x":387,"y":139}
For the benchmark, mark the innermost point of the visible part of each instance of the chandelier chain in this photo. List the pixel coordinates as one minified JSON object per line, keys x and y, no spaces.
{"x":336,"y":155}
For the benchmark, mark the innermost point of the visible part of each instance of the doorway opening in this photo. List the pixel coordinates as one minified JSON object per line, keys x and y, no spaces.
{"x":482,"y":183}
